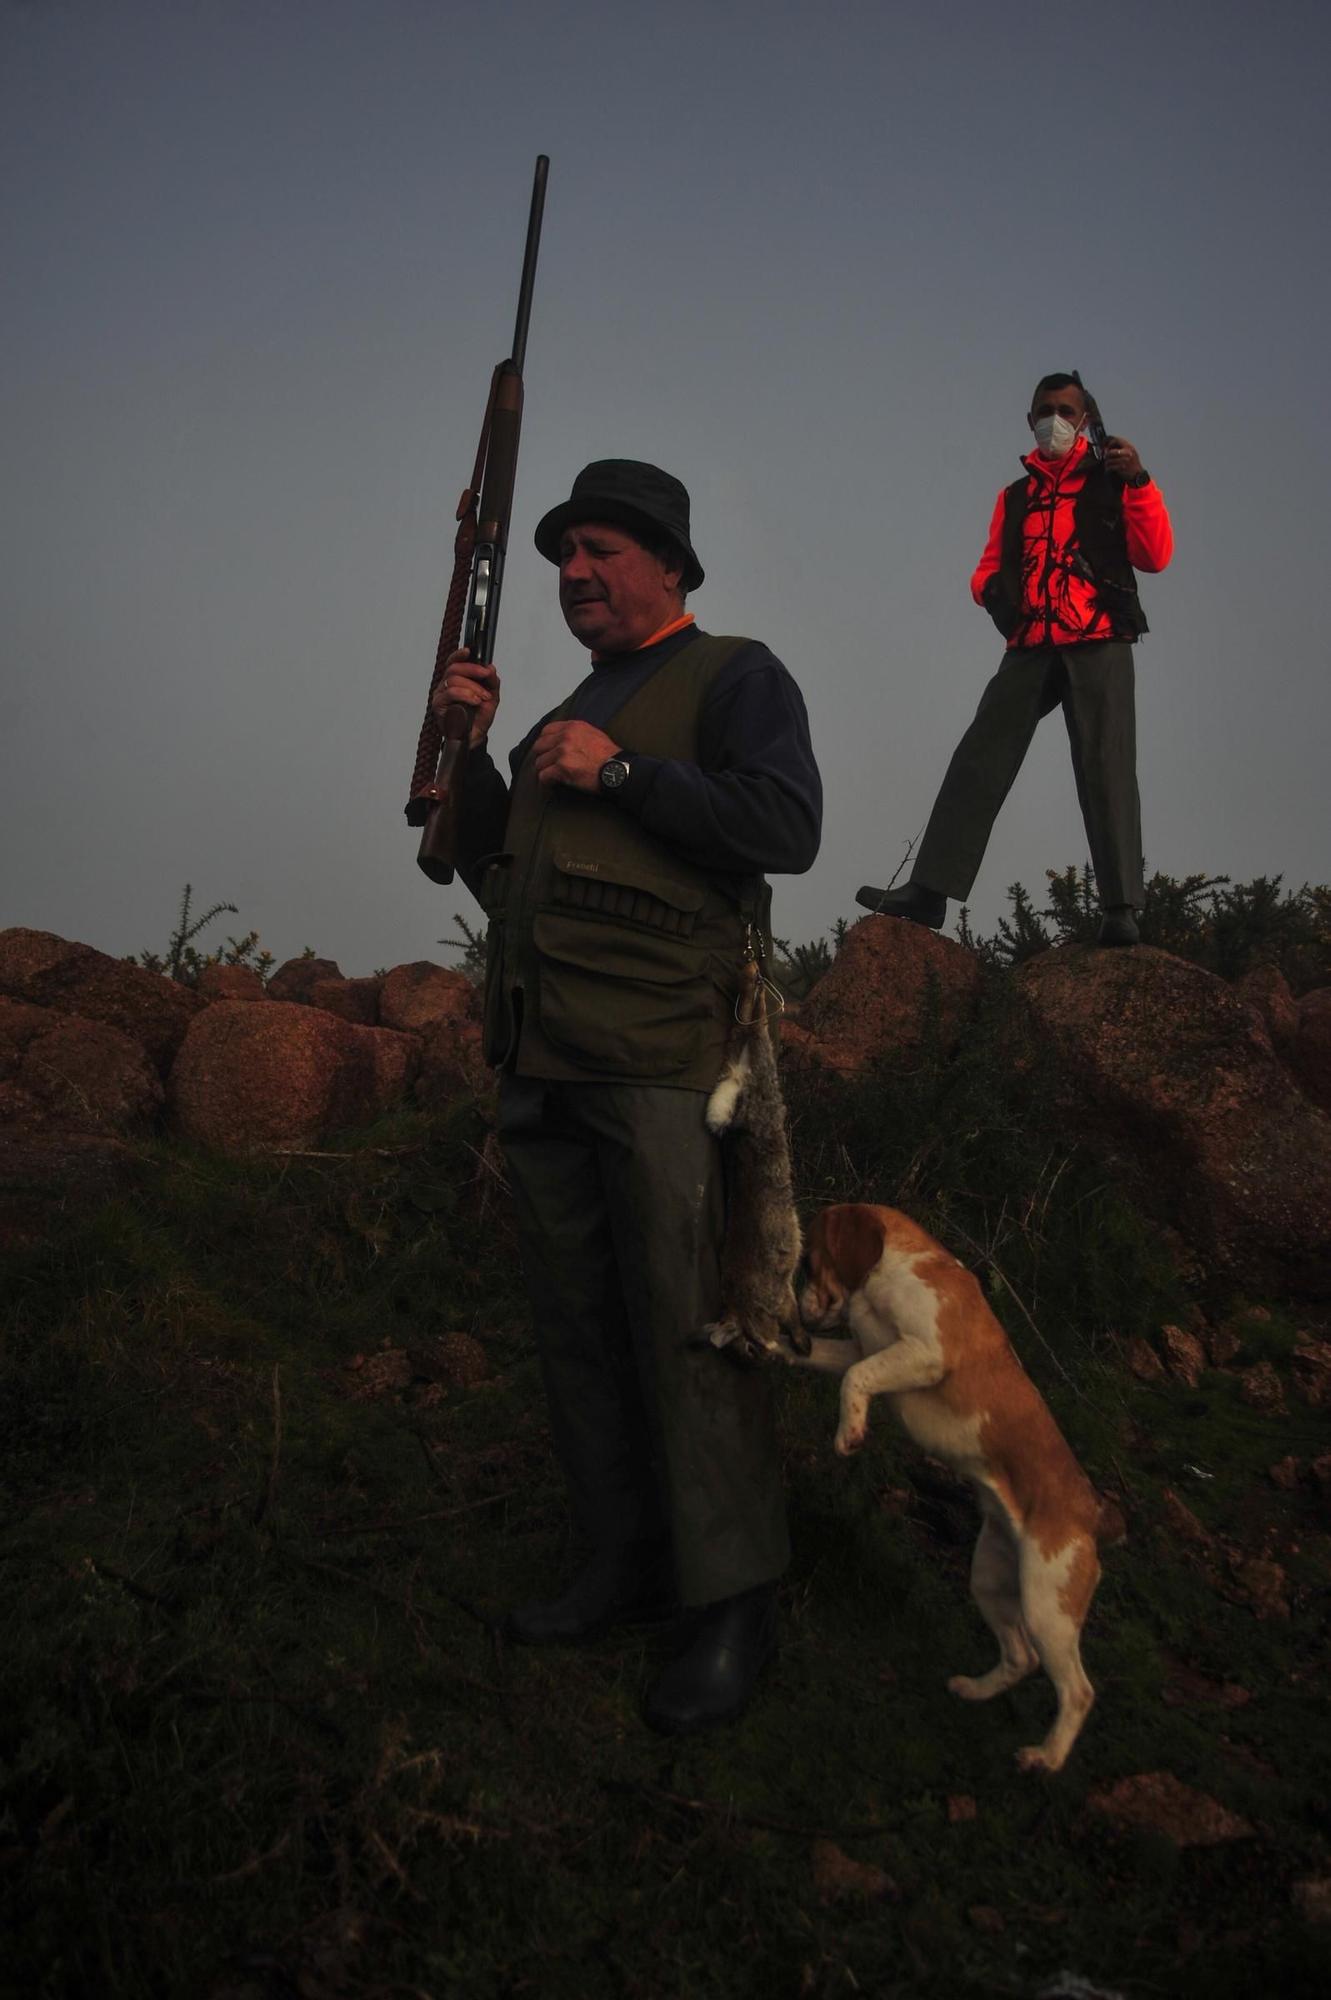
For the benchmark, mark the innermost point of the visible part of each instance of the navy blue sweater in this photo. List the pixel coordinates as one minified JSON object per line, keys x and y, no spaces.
{"x":753,"y":803}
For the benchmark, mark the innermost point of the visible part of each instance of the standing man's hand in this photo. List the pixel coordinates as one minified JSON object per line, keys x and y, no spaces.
{"x":572,"y":753}
{"x":1121,"y":457}
{"x":475,"y":686}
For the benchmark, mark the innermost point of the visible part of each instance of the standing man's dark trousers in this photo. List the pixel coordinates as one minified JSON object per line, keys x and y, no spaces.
{"x":1094,"y":684}
{"x":621,"y":1208}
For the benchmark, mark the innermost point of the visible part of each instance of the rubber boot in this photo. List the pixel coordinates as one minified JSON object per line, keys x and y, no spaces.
{"x":713,"y":1679}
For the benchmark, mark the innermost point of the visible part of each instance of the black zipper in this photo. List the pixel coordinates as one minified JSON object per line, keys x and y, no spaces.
{"x":1046,"y":579}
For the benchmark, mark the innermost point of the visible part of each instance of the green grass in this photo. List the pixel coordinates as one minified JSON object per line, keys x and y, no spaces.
{"x":259,"y":1736}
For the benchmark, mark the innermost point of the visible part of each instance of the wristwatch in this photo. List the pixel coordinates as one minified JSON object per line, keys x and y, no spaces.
{"x":1142,"y":478}
{"x":613,"y":772}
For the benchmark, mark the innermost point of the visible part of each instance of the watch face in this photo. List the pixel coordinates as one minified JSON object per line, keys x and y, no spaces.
{"x":613,"y":773}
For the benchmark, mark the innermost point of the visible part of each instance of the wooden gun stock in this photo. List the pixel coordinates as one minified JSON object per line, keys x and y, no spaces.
{"x":437,"y":853}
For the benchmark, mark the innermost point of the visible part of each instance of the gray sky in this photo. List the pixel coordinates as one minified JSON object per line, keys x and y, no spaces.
{"x":260,"y":256}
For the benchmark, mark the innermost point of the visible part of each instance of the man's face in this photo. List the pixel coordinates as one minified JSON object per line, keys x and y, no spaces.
{"x":1068,"y":402}
{"x":613,"y":592}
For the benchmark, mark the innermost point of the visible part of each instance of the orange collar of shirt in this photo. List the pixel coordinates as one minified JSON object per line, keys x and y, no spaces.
{"x":675,"y":625}
{"x":1054,"y":468}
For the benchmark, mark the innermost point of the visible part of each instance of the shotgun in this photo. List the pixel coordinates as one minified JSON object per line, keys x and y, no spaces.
{"x":1096,"y":434}
{"x":479,"y":548}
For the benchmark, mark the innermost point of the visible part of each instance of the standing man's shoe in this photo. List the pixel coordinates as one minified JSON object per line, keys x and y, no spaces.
{"x":625,"y":1587}
{"x":1118,"y":925}
{"x":713,"y":1679}
{"x":913,"y":901}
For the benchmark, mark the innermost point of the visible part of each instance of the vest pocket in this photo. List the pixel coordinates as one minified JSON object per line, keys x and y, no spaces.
{"x":625,"y":893}
{"x":622,"y":987}
{"x":496,"y":874}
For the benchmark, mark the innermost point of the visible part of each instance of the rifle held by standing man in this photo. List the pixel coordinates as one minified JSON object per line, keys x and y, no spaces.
{"x":478,"y":574}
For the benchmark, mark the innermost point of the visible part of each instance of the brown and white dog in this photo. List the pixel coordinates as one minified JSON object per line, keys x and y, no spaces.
{"x":922,"y":1334}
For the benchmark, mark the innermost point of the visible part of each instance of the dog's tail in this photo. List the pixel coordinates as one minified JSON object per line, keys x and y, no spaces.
{"x":1111,"y":1525}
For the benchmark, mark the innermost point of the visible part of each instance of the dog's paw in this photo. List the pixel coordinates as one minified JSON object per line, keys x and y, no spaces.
{"x":1035,"y":1758}
{"x":968,"y":1687}
{"x":854,"y":1425}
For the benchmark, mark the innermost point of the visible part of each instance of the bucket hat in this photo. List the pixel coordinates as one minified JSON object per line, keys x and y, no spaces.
{"x":631,"y":494}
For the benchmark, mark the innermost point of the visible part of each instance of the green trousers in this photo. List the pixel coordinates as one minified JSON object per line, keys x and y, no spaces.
{"x":620,"y":1200}
{"x":1094,"y":686}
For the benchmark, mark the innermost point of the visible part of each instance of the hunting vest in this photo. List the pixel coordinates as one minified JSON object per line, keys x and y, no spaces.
{"x":610,"y":958}
{"x":1097,"y":512}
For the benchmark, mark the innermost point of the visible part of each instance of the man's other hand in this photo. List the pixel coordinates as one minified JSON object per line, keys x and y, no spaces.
{"x":1121,"y":457}
{"x":572,"y":753}
{"x":475,"y":686}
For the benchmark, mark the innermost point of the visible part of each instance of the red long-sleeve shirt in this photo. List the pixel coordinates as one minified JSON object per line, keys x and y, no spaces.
{"x":1058,"y":605}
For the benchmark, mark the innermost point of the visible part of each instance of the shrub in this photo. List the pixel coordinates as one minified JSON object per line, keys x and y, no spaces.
{"x":1225,"y":926}
{"x":183,"y":963}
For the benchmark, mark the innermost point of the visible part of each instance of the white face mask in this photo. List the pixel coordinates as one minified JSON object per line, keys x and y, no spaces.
{"x":1055,"y":436}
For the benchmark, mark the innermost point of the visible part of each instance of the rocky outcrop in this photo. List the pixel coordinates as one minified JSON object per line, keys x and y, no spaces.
{"x":229,"y":982}
{"x":69,"y":1090}
{"x":1166,"y":1073}
{"x":415,"y":997}
{"x":354,"y":1000}
{"x":73,"y":1091}
{"x":451,"y":1064}
{"x":20,"y":1025}
{"x":47,"y":971}
{"x":1300,"y":1030}
{"x":892,"y":984}
{"x":1310,"y":1051}
{"x":295,"y":979}
{"x":283,"y":1074}
{"x":25,"y":955}
{"x":93,"y":1051}
{"x":61,"y":1071}
{"x":1266,"y":989}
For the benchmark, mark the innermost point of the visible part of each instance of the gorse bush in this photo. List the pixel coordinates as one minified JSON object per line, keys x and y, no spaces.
{"x":797,"y":968}
{"x":183,"y":962}
{"x":1228,"y":927}
{"x":472,"y":946}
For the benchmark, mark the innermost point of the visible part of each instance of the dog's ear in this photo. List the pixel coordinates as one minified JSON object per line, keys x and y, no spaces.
{"x":854,"y":1236}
